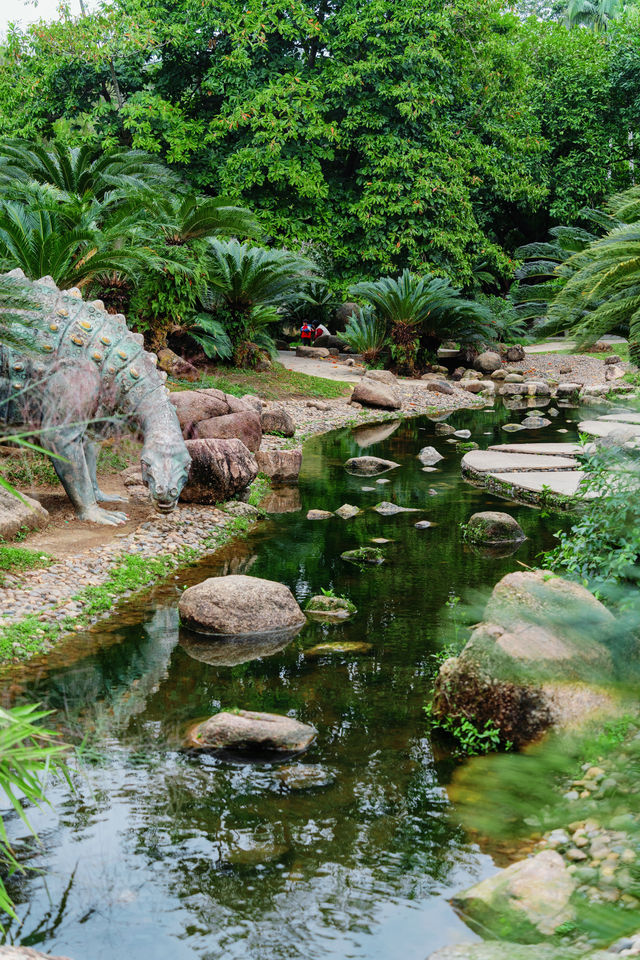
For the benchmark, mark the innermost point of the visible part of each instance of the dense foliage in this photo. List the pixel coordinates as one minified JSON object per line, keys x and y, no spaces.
{"x":385,"y":135}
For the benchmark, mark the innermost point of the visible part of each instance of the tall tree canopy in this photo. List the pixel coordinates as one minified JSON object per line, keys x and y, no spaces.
{"x":374,"y":134}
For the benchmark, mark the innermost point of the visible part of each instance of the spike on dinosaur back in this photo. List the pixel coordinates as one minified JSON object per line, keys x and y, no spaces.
{"x":47,"y":282}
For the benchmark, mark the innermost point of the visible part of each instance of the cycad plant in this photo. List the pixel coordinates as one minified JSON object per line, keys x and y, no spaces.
{"x":366,"y":334}
{"x":422,"y":312}
{"x":243,"y":280}
{"x":601,"y":292}
{"x":42,"y":242}
{"x":83,"y":171}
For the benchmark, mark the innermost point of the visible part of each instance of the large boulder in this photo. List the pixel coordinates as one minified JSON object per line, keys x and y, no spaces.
{"x":381,"y":376}
{"x":343,"y":312}
{"x":220,"y":469}
{"x":176,"y":366}
{"x":309,"y":351}
{"x":18,"y":514}
{"x":329,"y":342}
{"x":373,"y":393}
{"x":492,"y":526}
{"x":212,"y":414}
{"x":282,"y":466}
{"x":245,"y":426}
{"x":514,"y":353}
{"x":195,"y":405}
{"x":536,"y":661}
{"x":238,"y":606}
{"x":525,"y":902}
{"x":277,"y":420}
{"x":246,"y":731}
{"x":488,"y":361}
{"x":369,"y":466}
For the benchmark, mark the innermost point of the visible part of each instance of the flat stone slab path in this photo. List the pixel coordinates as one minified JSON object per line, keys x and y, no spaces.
{"x":529,"y":471}
{"x":550,"y":449}
{"x":495,"y":460}
{"x":603,"y":427}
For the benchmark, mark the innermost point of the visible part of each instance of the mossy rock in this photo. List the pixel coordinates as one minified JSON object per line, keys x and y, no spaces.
{"x":322,"y":607}
{"x":364,"y":555}
{"x":493,"y":526}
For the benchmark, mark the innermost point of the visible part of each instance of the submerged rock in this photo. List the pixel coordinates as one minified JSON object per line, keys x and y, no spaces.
{"x":429,"y":455}
{"x":535,"y":423}
{"x":247,"y":731}
{"x":444,"y":429}
{"x":239,"y":605}
{"x":369,"y":466}
{"x":525,"y":902}
{"x":512,"y":427}
{"x":422,"y":524}
{"x":492,"y":527}
{"x":387,"y":509}
{"x":347,"y":646}
{"x":364,"y":555}
{"x":305,"y":776}
{"x":322,"y":607}
{"x":347,"y":511}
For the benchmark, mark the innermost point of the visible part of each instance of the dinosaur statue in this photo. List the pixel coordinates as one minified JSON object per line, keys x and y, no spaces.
{"x":86,"y":368}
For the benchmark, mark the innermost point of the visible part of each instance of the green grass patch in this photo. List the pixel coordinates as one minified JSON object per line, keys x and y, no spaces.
{"x":131,"y":574}
{"x":275,"y":384}
{"x":17,"y":560}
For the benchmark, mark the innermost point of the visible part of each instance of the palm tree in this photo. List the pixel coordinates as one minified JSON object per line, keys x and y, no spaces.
{"x":248,"y":284}
{"x":423,"y":312}
{"x":601,"y":290}
{"x":596,"y":15}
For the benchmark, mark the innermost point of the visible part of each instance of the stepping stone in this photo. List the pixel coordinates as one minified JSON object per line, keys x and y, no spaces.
{"x":627,"y":417}
{"x":566,"y":484}
{"x":347,"y":511}
{"x":550,"y":449}
{"x":493,"y":461}
{"x":602,"y":428}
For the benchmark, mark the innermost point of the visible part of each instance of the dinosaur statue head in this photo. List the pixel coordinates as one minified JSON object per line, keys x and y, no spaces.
{"x":165,"y":469}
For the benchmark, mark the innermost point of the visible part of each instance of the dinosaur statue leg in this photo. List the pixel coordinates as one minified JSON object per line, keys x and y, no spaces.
{"x":91,"y":457}
{"x":70,"y":402}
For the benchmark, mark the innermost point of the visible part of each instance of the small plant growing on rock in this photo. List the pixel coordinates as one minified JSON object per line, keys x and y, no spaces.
{"x":472,"y":740}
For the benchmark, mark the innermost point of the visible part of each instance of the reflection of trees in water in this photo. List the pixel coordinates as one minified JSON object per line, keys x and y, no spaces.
{"x":326,"y":857}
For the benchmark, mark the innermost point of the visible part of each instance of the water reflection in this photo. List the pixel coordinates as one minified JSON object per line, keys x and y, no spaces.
{"x":160,"y":854}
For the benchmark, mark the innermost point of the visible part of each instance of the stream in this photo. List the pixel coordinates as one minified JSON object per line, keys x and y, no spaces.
{"x":156,"y":854}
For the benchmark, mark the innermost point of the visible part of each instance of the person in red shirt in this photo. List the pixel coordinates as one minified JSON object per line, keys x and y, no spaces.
{"x":306,"y":332}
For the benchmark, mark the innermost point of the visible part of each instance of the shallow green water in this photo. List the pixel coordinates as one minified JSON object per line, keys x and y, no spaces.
{"x":159,"y":854}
